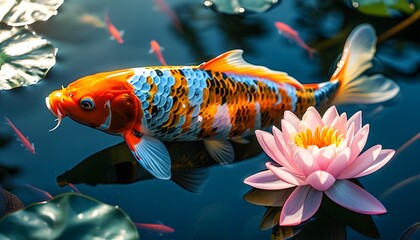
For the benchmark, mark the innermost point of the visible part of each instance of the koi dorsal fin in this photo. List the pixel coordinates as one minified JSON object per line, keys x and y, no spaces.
{"x":232,"y":62}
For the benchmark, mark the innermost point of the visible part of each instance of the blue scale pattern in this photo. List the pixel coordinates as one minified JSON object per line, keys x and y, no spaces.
{"x":157,"y":116}
{"x":291,"y":92}
{"x":161,"y":100}
{"x":196,"y":82}
{"x":325,"y":93}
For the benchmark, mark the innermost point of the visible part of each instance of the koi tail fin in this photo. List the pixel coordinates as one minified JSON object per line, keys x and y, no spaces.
{"x":353,"y":87}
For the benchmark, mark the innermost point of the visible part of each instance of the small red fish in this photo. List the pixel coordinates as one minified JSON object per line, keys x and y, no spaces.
{"x":293,"y":34}
{"x":157,"y":50}
{"x":155,"y":227}
{"x":74,"y":188}
{"x":44,"y":195}
{"x":25,"y":142}
{"x":168,"y":11}
{"x":113,"y":31}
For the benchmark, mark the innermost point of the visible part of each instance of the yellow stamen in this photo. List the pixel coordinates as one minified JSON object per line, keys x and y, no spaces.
{"x":321,"y":137}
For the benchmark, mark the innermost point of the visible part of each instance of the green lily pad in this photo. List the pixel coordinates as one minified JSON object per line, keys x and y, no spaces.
{"x":240,"y":6}
{"x":68,"y":216}
{"x":385,"y":8}
{"x":23,"y":12}
{"x":25,"y":58}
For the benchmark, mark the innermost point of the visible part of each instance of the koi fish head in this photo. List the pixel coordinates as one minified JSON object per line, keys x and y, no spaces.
{"x":104,"y":101}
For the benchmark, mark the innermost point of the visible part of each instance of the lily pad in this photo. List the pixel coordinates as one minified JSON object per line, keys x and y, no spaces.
{"x":25,"y":58}
{"x":240,"y":6}
{"x":68,"y":216}
{"x":23,"y":12}
{"x":385,"y":8}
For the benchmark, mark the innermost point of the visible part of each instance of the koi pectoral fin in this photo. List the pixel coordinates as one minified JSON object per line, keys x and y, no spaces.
{"x":221,"y":151}
{"x":151,"y":154}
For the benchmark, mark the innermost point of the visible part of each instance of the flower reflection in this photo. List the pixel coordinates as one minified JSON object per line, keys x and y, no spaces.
{"x":317,"y":155}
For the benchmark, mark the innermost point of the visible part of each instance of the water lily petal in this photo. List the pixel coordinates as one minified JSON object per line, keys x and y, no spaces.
{"x":350,"y":133}
{"x":292,"y":118}
{"x":288,"y":130}
{"x":339,"y":163}
{"x":284,"y":174}
{"x":301,"y":205}
{"x":339,"y":123}
{"x":313,"y":149}
{"x":343,"y":145}
{"x":353,"y":197}
{"x":266,"y":180}
{"x":358,"y":142}
{"x":384,"y":156}
{"x":361,"y":163}
{"x":268,"y":144}
{"x":330,"y":115}
{"x":324,"y":156}
{"x":320,"y":180}
{"x":305,"y":161}
{"x":356,"y":119}
{"x":311,"y":119}
{"x":284,"y":149}
{"x":343,"y":124}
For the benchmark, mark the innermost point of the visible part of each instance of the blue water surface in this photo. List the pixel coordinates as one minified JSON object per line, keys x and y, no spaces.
{"x":219,"y":210}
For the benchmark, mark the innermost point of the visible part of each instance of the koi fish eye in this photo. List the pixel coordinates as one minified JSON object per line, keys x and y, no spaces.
{"x":87,"y":103}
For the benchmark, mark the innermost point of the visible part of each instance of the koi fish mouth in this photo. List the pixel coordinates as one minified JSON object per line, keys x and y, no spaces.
{"x":55,"y":110}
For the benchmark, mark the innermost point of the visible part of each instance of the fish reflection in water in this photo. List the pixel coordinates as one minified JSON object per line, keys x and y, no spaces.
{"x":116,"y":165}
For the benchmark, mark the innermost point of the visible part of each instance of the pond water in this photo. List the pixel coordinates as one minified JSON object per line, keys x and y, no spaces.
{"x":217,"y":210}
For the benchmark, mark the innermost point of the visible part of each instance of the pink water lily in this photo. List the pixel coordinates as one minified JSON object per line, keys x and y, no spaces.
{"x":317,"y":154}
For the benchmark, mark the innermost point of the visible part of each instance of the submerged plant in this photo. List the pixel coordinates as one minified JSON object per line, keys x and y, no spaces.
{"x":317,"y":155}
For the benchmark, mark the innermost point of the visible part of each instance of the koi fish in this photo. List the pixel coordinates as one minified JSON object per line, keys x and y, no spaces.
{"x":221,"y":99}
{"x":155,"y":227}
{"x":113,"y":31}
{"x":157,"y":49}
{"x":293,"y":34}
{"x":25,"y":142}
